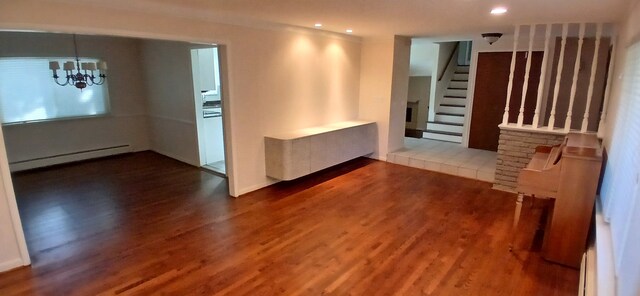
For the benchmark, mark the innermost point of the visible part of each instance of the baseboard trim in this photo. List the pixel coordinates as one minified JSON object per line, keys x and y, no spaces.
{"x":605,"y":276}
{"x":252,"y":188}
{"x":45,"y":161}
{"x":11,"y":264}
{"x":178,"y":158}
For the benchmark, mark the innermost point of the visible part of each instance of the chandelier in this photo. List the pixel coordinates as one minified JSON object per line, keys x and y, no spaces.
{"x":80,"y":79}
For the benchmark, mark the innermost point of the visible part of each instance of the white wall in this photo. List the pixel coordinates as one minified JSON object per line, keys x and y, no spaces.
{"x":384,"y":84}
{"x":171,"y":105}
{"x":399,"y":92}
{"x":419,"y":90}
{"x":126,"y":123}
{"x":293,"y":81}
{"x":423,"y":63}
{"x":375,"y":87}
{"x":423,"y":57}
{"x":445,"y":49}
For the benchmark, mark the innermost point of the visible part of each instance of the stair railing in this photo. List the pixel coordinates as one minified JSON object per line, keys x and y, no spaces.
{"x":454,"y":53}
{"x":562,"y":79}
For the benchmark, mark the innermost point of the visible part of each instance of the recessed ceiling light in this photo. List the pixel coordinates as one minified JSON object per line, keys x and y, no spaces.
{"x":349,"y":31}
{"x":499,"y":10}
{"x":318,"y":25}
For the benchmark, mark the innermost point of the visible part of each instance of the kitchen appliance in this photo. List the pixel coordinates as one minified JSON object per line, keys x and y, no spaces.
{"x":211,"y":104}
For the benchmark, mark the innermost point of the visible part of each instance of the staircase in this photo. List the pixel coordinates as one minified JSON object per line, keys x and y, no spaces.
{"x":449,"y":120}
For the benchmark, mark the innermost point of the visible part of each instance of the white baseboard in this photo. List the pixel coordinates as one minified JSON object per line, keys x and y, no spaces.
{"x":176,"y":157}
{"x":605,"y":274}
{"x":11,"y":264}
{"x":254,"y":188}
{"x":376,"y":157}
{"x":68,"y":157}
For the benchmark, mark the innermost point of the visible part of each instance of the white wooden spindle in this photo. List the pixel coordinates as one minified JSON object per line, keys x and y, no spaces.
{"x":574,"y":85}
{"x":505,"y":116}
{"x":607,"y":89}
{"x":556,"y":90}
{"x":525,"y":86}
{"x":592,"y":79}
{"x":543,"y":73}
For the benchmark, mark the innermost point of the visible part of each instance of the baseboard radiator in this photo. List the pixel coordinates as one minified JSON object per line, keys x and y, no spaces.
{"x":588,"y":273}
{"x":16,"y":166}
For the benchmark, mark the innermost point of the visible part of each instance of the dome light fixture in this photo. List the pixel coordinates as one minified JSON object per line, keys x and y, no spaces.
{"x":491,"y":37}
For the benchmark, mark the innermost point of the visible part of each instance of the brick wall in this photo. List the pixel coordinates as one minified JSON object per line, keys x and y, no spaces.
{"x":515,"y":149}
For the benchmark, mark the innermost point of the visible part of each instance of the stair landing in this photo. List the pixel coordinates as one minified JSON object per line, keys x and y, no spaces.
{"x":448,"y":158}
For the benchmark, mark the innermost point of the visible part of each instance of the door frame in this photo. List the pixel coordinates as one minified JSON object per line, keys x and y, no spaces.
{"x":198,"y":105}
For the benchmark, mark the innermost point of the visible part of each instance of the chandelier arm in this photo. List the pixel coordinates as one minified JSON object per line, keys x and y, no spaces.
{"x":55,"y":78}
{"x":78,"y":79}
{"x":101,"y":80}
{"x":89,"y":79}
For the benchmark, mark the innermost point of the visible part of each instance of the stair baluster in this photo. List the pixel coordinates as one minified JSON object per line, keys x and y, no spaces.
{"x":592,"y":79}
{"x":543,"y":74}
{"x":525,"y":86}
{"x":556,"y":90}
{"x":574,"y":85}
{"x":505,"y":116}
{"x":607,"y":90}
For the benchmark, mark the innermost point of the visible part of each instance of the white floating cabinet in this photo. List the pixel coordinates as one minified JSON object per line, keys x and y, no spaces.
{"x":298,"y":153}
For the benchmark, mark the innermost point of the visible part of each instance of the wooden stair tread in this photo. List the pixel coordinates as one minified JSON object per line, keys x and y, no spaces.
{"x":443,"y":133}
{"x":450,"y":114}
{"x":444,"y":123}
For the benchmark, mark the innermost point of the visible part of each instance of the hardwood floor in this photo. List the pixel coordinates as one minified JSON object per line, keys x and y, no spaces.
{"x":144,"y":224}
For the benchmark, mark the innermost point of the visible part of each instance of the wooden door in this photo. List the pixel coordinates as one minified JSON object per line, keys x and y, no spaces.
{"x":492,"y":78}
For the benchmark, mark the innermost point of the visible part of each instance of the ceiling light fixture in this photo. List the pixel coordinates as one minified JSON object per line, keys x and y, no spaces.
{"x":499,"y":10}
{"x":318,"y":25}
{"x":491,"y":37}
{"x":78,"y":79}
{"x":349,"y":31}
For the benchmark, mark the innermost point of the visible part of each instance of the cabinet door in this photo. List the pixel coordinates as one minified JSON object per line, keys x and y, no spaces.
{"x":207,"y":69}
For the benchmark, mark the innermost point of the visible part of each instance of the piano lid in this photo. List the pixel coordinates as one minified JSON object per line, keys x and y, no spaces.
{"x":582,"y":146}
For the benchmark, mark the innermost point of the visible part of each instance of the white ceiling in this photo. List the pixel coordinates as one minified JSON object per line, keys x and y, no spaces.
{"x":429,"y":18}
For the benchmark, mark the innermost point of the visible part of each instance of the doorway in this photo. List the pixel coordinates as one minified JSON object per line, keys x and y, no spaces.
{"x":208,"y":100}
{"x":492,"y":78}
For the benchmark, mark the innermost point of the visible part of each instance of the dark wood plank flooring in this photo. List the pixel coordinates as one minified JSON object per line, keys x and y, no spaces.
{"x":145,"y":224}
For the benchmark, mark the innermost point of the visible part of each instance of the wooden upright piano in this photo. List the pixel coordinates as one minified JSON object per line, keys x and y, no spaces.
{"x":568,"y":174}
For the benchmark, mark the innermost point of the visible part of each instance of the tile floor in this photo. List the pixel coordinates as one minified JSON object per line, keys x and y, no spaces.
{"x":446,"y":157}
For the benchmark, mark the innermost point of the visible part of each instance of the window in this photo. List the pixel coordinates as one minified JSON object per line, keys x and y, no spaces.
{"x":28,"y":93}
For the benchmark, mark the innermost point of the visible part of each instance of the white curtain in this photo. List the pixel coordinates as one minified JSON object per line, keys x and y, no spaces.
{"x":621,"y":190}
